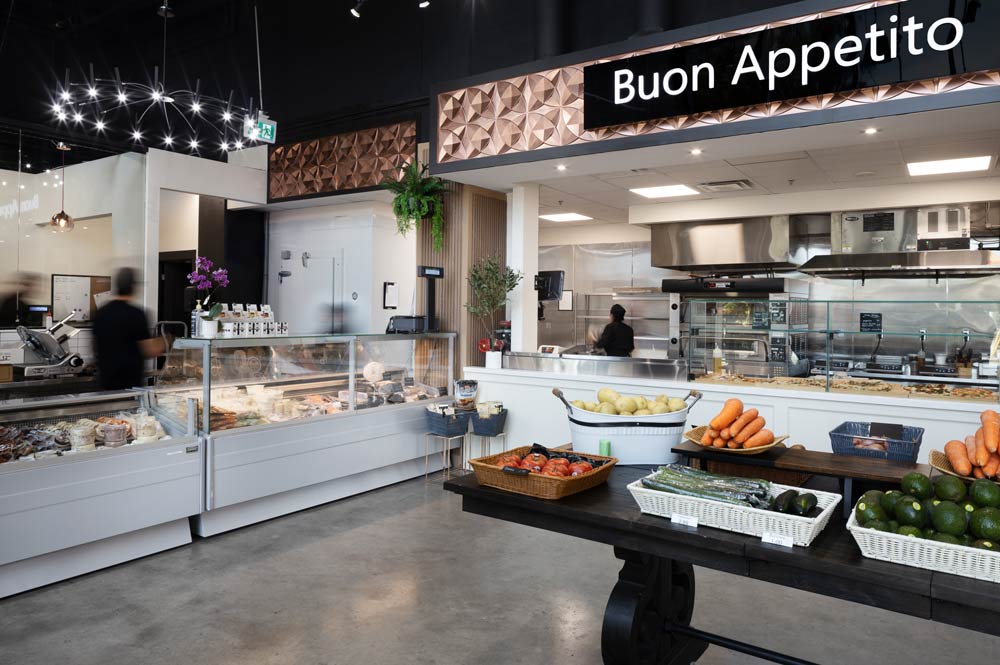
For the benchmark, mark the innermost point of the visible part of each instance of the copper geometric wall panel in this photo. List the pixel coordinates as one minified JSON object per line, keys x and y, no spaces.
{"x":340,"y":163}
{"x":545,"y":109}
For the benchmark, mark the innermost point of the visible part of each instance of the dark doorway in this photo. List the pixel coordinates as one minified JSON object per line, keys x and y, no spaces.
{"x":174,"y":269}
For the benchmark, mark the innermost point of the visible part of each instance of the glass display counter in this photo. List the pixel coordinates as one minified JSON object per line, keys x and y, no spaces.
{"x":89,"y":481}
{"x":920,"y":349}
{"x":292,"y":422}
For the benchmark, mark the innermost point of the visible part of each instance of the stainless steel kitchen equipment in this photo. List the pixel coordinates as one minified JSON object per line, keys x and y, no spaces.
{"x":42,"y":353}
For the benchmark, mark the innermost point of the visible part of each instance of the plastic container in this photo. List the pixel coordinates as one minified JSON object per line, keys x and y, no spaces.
{"x":489,"y":425}
{"x":115,"y":436}
{"x":898,"y":450}
{"x":82,"y":437}
{"x":634,"y":439}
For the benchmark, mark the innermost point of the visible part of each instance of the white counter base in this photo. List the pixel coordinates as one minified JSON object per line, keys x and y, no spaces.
{"x":62,"y":565}
{"x":536,"y":416}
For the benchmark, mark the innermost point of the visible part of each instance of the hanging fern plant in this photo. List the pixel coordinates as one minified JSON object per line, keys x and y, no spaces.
{"x":418,"y":197}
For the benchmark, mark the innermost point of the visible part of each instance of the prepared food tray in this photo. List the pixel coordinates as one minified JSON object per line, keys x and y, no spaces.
{"x":945,"y":391}
{"x":663,"y":495}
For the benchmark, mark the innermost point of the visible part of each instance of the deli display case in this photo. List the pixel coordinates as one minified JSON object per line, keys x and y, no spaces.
{"x":920,"y":349}
{"x":89,"y":481}
{"x":293,"y":422}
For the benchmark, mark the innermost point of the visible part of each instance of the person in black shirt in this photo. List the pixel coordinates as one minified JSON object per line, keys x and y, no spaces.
{"x":618,"y":339}
{"x":121,"y":338}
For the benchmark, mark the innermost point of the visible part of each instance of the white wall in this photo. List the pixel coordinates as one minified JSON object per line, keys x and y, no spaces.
{"x":178,"y":221}
{"x":184,"y":173}
{"x":595,"y":234}
{"x":361,"y":241}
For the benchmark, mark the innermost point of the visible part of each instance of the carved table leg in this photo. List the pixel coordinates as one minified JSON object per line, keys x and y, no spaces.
{"x":651,"y":592}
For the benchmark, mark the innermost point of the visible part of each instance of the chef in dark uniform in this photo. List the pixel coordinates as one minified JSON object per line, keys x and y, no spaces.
{"x":618,"y":338}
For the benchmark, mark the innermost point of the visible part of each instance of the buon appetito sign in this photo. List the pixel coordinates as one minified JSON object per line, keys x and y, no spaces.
{"x":910,"y":41}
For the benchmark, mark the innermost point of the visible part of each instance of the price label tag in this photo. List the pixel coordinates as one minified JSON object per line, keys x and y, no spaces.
{"x":686,"y":520}
{"x":777,"y":539}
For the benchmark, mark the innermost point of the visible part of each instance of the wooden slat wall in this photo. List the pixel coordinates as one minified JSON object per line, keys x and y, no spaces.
{"x":487,"y":237}
{"x":475,"y":227}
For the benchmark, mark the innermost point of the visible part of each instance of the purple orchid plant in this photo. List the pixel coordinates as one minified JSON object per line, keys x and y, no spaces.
{"x":207,"y":278}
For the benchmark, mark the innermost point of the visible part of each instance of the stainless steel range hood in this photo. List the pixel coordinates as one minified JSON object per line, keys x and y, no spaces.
{"x":724,"y":247}
{"x":928,"y":264}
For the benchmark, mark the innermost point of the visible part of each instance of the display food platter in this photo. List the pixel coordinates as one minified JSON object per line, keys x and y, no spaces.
{"x":695,"y":435}
{"x":489,"y":473}
{"x":740,"y":519}
{"x":927,"y":554}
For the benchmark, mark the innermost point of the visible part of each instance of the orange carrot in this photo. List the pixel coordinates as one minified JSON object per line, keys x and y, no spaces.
{"x":991,"y":468}
{"x":730,"y":412}
{"x":982,"y":454}
{"x":744,"y":420}
{"x":725,"y":434}
{"x":991,"y":429}
{"x":977,"y":472}
{"x":958,"y":457}
{"x":970,"y":448}
{"x":732,"y":444}
{"x":719,"y":443}
{"x":709,"y":437}
{"x":751,"y":429}
{"x":765,"y":437}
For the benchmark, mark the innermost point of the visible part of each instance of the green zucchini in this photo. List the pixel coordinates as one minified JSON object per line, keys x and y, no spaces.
{"x":661,"y":486}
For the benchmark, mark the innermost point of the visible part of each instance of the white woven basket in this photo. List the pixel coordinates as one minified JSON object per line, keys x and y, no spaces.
{"x":927,"y":554}
{"x":741,"y":519}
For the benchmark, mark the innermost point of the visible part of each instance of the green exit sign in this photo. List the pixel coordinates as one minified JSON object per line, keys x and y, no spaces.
{"x":267,"y":130}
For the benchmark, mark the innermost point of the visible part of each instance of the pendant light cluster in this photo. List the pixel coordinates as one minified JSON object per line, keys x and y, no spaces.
{"x":125,"y":110}
{"x":356,"y":9}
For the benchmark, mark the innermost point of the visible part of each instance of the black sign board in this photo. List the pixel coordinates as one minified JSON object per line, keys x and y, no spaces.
{"x":779,"y":313}
{"x":898,"y":43}
{"x":761,"y":320}
{"x":871,"y":322}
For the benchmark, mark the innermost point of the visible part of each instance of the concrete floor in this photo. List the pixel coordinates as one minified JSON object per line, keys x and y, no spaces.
{"x":402,"y":576}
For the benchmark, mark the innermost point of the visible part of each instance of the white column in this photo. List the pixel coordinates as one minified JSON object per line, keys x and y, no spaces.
{"x":522,"y":255}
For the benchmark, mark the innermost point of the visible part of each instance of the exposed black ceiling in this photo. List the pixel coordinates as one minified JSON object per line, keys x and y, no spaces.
{"x":321,"y":66}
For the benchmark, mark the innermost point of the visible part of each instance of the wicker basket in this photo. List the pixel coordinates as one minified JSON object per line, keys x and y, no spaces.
{"x":927,"y":554}
{"x":741,"y":519}
{"x":448,"y":426}
{"x":490,"y":425}
{"x":898,"y":450}
{"x":488,"y":473}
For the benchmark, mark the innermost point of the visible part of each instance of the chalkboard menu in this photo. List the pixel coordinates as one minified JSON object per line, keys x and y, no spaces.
{"x":871,"y":322}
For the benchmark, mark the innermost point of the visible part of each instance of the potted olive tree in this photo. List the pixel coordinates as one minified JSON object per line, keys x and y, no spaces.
{"x":491,"y":282}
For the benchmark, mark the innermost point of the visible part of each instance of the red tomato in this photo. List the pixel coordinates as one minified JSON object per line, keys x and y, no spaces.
{"x":536,"y":462}
{"x":510,"y":460}
{"x":553,"y":472}
{"x":580,"y":468}
{"x":558,"y":468}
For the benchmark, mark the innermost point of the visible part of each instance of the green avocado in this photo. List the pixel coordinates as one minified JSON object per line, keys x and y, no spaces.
{"x":949,"y":518}
{"x":910,"y":531}
{"x":985,"y":493}
{"x":910,"y":512}
{"x":888,"y":501}
{"x":946,"y":538}
{"x":918,"y":485}
{"x":949,"y":488}
{"x":866,"y":512}
{"x":878,"y":525}
{"x":985,"y":524}
{"x":986,"y":545}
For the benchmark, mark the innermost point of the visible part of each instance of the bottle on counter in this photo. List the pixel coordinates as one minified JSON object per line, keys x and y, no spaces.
{"x":195,"y":319}
{"x":717,"y":360}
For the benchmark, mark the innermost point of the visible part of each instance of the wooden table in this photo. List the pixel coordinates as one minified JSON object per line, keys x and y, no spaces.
{"x":647,"y":619}
{"x":843,"y":467}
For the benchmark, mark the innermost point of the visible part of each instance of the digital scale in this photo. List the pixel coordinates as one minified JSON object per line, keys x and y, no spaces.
{"x":938,"y":370}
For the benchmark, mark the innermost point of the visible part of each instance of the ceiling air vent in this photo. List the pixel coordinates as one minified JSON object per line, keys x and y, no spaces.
{"x":725,"y":186}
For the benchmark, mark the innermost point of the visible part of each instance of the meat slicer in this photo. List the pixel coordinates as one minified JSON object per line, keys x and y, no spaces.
{"x":42,"y":353}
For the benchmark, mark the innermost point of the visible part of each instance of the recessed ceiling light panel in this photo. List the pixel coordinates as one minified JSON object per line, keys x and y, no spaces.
{"x":949,"y":166}
{"x":665,"y":192}
{"x":566,"y":217}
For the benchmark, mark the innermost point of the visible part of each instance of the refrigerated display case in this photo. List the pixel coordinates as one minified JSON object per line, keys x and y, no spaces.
{"x":89,"y":481}
{"x":919,"y":349}
{"x":293,"y":422}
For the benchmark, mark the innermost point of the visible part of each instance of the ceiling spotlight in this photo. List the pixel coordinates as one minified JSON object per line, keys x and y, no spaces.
{"x":137,"y":135}
{"x":224,"y":147}
{"x":561,"y":167}
{"x":57,"y":108}
{"x":167,"y":99}
{"x":871,"y":131}
{"x":248,"y":121}
{"x":28,"y":165}
{"x":168,"y":140}
{"x":65,"y":95}
{"x":356,"y":10}
{"x":77,"y":117}
{"x":227,"y":116}
{"x":92,"y":91}
{"x":99,"y":125}
{"x":165,"y":10}
{"x":48,"y":170}
{"x":196,"y":107}
{"x":696,"y":152}
{"x":425,"y":4}
{"x":61,"y":115}
{"x":194,"y":144}
{"x":157,"y":96}
{"x":239,"y":145}
{"x":22,"y":187}
{"x":45,"y":184}
{"x":122,"y":97}
{"x":4,"y":183}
